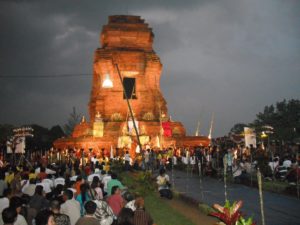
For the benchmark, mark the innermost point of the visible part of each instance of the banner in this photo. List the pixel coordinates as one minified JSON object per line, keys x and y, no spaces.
{"x":20,"y":146}
{"x":167,"y":129}
{"x":250,"y":137}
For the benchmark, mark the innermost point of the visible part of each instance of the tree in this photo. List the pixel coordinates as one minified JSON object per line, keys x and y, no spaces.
{"x":56,"y":132}
{"x":72,"y":121}
{"x":284,"y":117}
{"x":238,"y":128}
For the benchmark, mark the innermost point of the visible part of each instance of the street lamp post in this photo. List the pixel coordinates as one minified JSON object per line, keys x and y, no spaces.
{"x":108,"y":84}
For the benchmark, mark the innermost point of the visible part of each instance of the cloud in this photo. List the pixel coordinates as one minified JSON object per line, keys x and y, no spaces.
{"x":228,"y":57}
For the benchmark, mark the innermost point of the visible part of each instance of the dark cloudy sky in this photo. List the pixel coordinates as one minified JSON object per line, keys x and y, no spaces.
{"x":230,"y":57}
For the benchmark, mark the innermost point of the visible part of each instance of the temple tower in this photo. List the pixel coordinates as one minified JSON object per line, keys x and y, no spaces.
{"x":127,"y":41}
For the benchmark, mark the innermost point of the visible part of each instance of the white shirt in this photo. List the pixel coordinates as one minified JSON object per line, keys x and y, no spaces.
{"x":287,"y":163}
{"x":193,"y":160}
{"x":131,"y":205}
{"x":73,"y":178}
{"x":48,"y":171}
{"x":91,"y":177}
{"x":4,"y":203}
{"x":46,"y":187}
{"x":49,"y":181}
{"x":273,"y":165}
{"x":26,"y":184}
{"x":72,"y":209}
{"x":29,"y":190}
{"x":59,"y":180}
{"x":20,"y":220}
{"x":162,"y":181}
{"x":105,"y":181}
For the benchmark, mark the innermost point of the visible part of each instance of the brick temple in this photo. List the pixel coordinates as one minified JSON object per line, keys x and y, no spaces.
{"x":127,"y":43}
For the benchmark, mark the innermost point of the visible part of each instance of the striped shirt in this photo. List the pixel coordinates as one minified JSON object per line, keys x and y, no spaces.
{"x":141,"y":217}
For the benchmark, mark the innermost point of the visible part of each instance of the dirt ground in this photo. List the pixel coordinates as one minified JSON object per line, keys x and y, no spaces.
{"x":192,"y":212}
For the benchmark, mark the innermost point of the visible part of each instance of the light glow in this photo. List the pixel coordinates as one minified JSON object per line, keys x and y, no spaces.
{"x":107,"y":83}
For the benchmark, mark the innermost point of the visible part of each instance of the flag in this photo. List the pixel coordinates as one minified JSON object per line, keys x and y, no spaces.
{"x":167,"y":129}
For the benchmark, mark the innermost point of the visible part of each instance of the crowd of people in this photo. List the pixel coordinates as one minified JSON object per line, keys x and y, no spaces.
{"x":68,"y":194}
{"x":239,"y":162}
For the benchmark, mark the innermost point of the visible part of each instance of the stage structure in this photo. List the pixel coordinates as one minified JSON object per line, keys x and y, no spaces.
{"x":127,"y":52}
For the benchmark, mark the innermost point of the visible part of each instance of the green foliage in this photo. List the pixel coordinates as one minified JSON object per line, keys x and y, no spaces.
{"x":43,"y":137}
{"x":243,"y":221}
{"x":238,"y":128}
{"x":284,"y":117}
{"x":206,"y":209}
{"x":6,"y":130}
{"x":162,"y":213}
{"x":145,"y":181}
{"x":117,"y":166}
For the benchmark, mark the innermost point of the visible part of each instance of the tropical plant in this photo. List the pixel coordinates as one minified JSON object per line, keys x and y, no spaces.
{"x":231,"y":214}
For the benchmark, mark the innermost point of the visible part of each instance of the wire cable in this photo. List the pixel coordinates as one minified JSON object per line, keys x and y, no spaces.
{"x":46,"y":76}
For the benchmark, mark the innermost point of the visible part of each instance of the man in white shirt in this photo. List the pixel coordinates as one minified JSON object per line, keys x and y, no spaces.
{"x":71,"y":207}
{"x":49,"y":181}
{"x":105,"y":181}
{"x":4,"y":201}
{"x":16,"y":203}
{"x":30,"y":188}
{"x":287,"y":163}
{"x":59,"y":180}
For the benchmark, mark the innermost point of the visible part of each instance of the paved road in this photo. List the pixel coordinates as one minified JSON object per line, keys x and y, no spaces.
{"x":279,"y":209}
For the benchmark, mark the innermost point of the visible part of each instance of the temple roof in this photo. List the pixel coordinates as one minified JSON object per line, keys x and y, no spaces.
{"x":123,"y":31}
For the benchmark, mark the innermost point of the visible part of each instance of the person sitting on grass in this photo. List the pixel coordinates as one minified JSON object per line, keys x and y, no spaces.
{"x":141,"y":216}
{"x":115,"y":200}
{"x":163,"y":182}
{"x":114,"y":182}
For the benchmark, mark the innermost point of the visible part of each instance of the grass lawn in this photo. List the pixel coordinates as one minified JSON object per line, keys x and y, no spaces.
{"x":161,"y":212}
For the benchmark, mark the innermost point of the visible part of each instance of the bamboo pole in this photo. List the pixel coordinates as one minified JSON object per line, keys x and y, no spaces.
{"x":261,"y":202}
{"x":225,"y":176}
{"x":200,"y":180}
{"x":297,"y":168}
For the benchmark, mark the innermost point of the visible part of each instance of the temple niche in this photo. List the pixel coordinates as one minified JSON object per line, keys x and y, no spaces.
{"x":127,"y":43}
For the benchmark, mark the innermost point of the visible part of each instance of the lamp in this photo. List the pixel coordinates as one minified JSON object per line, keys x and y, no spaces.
{"x":107,"y":83}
